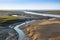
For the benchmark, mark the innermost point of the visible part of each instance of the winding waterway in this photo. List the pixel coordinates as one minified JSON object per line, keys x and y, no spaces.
{"x":19,"y":31}
{"x":42,"y":14}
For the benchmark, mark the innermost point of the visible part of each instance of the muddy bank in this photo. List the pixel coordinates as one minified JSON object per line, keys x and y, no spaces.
{"x":43,"y":30}
{"x":8,"y":34}
{"x":10,"y":22}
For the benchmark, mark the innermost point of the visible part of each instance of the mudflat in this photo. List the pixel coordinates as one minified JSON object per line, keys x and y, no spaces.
{"x":8,"y":34}
{"x":44,"y":30}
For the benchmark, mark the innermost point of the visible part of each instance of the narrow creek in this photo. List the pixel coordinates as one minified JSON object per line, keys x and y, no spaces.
{"x":19,"y":31}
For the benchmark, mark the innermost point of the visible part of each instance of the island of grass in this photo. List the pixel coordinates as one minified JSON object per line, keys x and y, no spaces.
{"x":9,"y":18}
{"x":5,"y":21}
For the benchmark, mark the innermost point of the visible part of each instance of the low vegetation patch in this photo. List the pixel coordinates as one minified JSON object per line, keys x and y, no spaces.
{"x":9,"y":18}
{"x":52,"y":12}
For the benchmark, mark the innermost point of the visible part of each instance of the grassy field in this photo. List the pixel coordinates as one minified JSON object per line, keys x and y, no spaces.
{"x":52,"y":12}
{"x":9,"y":18}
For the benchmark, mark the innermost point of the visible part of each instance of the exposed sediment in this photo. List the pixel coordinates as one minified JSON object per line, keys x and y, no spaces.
{"x":8,"y":34}
{"x":43,"y":30}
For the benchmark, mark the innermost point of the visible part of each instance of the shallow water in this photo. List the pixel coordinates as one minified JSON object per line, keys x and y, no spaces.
{"x":42,"y":14}
{"x":20,"y":32}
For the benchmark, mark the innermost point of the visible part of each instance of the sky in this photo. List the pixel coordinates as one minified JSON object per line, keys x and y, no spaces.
{"x":29,"y":4}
